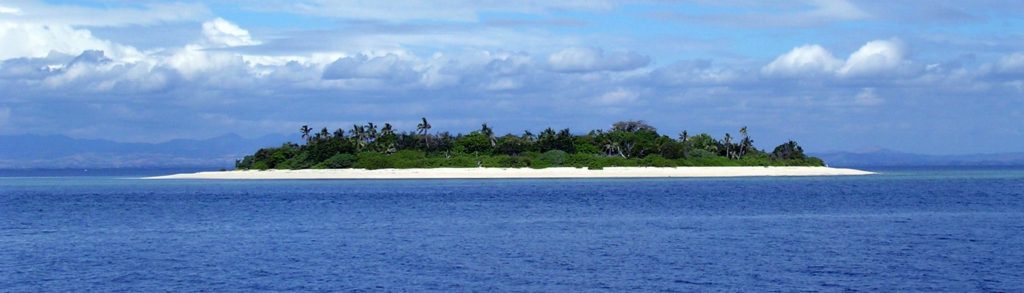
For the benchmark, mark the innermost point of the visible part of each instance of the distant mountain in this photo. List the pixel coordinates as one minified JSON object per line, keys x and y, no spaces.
{"x":58,"y":151}
{"x":884,"y":157}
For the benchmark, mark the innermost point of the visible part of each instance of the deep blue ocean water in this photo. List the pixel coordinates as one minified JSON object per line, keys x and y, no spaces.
{"x":902,"y":230}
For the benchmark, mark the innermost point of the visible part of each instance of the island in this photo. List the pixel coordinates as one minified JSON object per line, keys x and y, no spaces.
{"x":628,"y":149}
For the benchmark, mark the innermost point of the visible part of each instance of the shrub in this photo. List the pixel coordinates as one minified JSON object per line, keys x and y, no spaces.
{"x":300,"y":161}
{"x":701,"y":153}
{"x":372,"y":160}
{"x":408,"y":155}
{"x":616,"y":161}
{"x":475,"y":142}
{"x":553,"y":157}
{"x":260,"y":165}
{"x":245,"y":163}
{"x":673,"y":150}
{"x":538,"y":164}
{"x":405,"y":159}
{"x":585,"y":146}
{"x":339,"y":161}
{"x":657,"y":161}
{"x":580,"y":160}
{"x":504,"y":161}
{"x":456,"y":160}
{"x":814,"y":161}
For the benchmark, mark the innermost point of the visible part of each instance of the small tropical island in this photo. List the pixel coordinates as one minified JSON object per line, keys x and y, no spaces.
{"x":627,"y":149}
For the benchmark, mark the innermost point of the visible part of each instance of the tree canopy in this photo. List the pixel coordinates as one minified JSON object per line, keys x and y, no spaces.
{"x":625,"y":143}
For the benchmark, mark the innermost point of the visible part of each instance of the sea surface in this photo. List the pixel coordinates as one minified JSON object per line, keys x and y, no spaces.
{"x":958,"y":230}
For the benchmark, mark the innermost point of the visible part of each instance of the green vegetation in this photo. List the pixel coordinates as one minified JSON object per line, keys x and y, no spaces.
{"x":626,"y":143}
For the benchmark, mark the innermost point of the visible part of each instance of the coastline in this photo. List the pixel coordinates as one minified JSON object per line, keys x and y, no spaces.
{"x":520,"y":173}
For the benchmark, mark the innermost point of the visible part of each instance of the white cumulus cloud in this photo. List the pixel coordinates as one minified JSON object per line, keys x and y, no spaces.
{"x":192,"y":62}
{"x":806,"y":59}
{"x":221,"y":33}
{"x":875,"y":57}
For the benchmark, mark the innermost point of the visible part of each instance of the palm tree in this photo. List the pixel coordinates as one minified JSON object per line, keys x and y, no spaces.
{"x":356,"y":131}
{"x":546,"y":139}
{"x":727,"y":143}
{"x":746,"y":143}
{"x":339,"y":133}
{"x":612,"y":147}
{"x":684,"y":139}
{"x":324,"y":134}
{"x":423,"y":128}
{"x":371,"y":131}
{"x":387,"y":130}
{"x":359,"y":136}
{"x":386,"y":141}
{"x":528,"y":136}
{"x":565,"y":141}
{"x":305,"y":132}
{"x":489,"y":133}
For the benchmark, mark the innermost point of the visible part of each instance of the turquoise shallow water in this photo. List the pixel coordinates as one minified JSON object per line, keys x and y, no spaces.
{"x":905,"y":229}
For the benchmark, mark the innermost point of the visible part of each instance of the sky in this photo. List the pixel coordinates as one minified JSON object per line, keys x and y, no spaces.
{"x":932,"y":77}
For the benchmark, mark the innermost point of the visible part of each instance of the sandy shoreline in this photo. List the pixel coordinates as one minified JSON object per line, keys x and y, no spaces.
{"x":520,"y":173}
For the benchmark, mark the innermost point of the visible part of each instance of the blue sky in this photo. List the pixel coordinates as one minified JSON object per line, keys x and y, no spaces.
{"x":935,"y":77}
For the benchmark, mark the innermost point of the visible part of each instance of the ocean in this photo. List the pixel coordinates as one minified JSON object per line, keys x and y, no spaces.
{"x":911,"y":229}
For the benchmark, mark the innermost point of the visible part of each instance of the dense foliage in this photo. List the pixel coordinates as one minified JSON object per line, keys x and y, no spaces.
{"x":626,"y":143}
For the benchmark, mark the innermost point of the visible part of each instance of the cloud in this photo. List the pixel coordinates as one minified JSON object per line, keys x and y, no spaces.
{"x":772,"y":14}
{"x":195,"y":63}
{"x":37,"y":41}
{"x":876,"y":57}
{"x":443,"y":10}
{"x":803,"y":60}
{"x":93,"y":73}
{"x":695,"y":73}
{"x":10,"y":10}
{"x":1012,"y":64}
{"x":835,"y":9}
{"x":388,"y":67}
{"x":220,"y":33}
{"x":868,"y":97}
{"x":577,"y":60}
{"x":149,"y":13}
{"x":617,"y":97}
{"x":873,"y":59}
{"x":33,"y":68}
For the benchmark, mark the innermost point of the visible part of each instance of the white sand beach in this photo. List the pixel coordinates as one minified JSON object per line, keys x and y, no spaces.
{"x":521,"y":173}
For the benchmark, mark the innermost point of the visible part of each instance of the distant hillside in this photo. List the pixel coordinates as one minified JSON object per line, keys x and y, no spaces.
{"x":57,"y":151}
{"x":883,"y":157}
